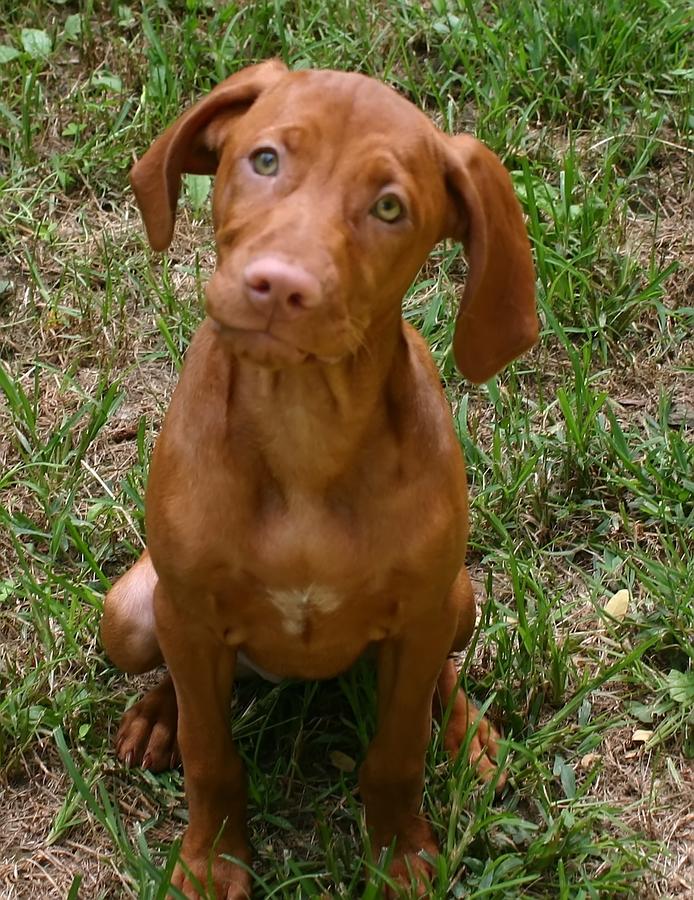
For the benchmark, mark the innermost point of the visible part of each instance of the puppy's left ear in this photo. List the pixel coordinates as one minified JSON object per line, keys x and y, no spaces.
{"x":497,"y":320}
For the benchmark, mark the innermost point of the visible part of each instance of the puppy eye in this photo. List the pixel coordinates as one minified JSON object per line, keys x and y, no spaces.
{"x":265,"y":161}
{"x":388,"y":208}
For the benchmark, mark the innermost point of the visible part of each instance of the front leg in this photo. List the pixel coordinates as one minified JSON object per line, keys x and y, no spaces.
{"x":391,"y":779}
{"x":202,"y":668}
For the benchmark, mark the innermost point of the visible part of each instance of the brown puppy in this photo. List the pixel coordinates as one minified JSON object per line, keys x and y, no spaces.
{"x":307,"y":495}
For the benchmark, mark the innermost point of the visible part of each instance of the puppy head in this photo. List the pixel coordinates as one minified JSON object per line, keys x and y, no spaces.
{"x":331,"y":190}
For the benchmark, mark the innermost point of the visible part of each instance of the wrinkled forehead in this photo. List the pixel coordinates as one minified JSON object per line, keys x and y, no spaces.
{"x":341,"y":110}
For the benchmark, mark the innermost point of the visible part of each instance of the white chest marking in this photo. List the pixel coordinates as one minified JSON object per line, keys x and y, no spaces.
{"x":296,"y":605}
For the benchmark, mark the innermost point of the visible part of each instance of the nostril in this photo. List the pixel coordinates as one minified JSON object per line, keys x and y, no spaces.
{"x":295,"y":300}
{"x":262,"y":285}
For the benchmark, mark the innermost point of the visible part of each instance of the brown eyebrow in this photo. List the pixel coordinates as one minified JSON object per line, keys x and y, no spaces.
{"x":293,"y":136}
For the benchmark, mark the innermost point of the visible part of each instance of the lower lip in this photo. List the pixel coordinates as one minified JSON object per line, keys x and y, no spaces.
{"x":262,"y":343}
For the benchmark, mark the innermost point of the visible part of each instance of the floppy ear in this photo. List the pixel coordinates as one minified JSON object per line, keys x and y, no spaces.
{"x":192,"y":144}
{"x":497,"y":319}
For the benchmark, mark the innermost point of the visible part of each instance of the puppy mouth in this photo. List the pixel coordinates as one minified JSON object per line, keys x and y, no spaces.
{"x":265,"y":348}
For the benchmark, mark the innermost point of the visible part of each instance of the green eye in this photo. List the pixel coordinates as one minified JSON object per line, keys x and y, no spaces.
{"x":388,"y":208}
{"x":265,"y":162}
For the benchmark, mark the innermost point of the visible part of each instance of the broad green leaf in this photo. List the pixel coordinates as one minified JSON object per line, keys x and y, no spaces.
{"x":108,"y":81}
{"x":73,"y":26}
{"x":198,"y":189}
{"x":681,"y":687}
{"x":7,"y":53}
{"x":37,"y":43}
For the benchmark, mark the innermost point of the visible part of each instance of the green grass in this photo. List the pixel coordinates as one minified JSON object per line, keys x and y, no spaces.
{"x":581,"y":459}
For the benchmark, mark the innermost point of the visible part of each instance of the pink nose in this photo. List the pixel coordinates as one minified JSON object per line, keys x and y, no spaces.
{"x":271,"y":283}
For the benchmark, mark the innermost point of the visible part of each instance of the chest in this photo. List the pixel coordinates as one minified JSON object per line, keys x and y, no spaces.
{"x":297,"y":608}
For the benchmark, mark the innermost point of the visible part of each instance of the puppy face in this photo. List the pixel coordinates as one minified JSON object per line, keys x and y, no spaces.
{"x":331,"y":190}
{"x":329,"y":196}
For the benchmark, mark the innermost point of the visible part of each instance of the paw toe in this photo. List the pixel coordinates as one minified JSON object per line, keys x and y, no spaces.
{"x":147,"y":734}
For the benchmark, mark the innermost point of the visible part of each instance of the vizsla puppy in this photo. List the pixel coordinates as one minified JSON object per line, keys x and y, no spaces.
{"x":307,"y":495}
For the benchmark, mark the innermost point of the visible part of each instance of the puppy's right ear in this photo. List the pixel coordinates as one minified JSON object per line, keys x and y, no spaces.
{"x":192,"y":144}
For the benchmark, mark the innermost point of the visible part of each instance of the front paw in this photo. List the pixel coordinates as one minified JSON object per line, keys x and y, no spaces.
{"x":412,"y":874}
{"x":411,"y":870}
{"x":483,"y":747}
{"x":201,"y":875}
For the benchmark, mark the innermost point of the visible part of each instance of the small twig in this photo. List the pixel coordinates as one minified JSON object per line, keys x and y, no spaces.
{"x":644,"y":137}
{"x":121,"y":509}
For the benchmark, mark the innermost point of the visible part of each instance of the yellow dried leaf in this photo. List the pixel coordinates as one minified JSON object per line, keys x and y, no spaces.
{"x":342,"y":762}
{"x":641,"y":736}
{"x":618,"y":604}
{"x":589,"y":760}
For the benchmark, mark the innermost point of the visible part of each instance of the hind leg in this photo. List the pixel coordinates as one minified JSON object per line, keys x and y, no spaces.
{"x":147,"y":733}
{"x":483,"y":747}
{"x":127,"y":625}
